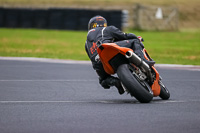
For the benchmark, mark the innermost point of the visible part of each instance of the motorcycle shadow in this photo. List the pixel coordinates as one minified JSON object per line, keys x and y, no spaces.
{"x":130,"y":101}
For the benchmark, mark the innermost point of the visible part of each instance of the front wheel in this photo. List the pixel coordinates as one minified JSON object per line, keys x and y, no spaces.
{"x":137,"y":87}
{"x":164,"y":92}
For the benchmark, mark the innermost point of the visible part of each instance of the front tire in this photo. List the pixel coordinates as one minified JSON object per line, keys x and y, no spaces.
{"x":137,"y":88}
{"x":164,"y":92}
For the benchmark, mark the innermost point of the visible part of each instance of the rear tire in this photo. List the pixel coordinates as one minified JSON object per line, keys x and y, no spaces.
{"x":164,"y":92}
{"x":137,"y":88}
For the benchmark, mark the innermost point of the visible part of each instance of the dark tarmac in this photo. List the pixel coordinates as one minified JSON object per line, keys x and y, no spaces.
{"x":39,"y":97}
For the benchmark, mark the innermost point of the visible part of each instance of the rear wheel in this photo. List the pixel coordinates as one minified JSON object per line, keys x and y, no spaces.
{"x":164,"y":92}
{"x":137,"y":87}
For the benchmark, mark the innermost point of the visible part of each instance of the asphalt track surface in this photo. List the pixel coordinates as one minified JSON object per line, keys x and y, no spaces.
{"x":58,"y":97}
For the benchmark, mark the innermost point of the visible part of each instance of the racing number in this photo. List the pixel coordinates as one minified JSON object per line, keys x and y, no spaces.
{"x":93,"y":48}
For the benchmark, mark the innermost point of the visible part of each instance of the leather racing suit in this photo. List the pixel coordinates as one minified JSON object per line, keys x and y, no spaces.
{"x":109,"y":34}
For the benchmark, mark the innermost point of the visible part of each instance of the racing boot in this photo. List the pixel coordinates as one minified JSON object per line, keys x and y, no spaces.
{"x":113,"y":81}
{"x":117,"y":84}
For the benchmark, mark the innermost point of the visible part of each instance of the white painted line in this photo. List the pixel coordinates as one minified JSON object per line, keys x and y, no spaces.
{"x":181,"y":67}
{"x":137,"y":102}
{"x":89,"y":80}
{"x":106,"y":102}
{"x":4,"y":102}
{"x":183,"y":80}
{"x":169,"y":101}
{"x":64,"y":80}
{"x":46,"y":60}
{"x":43,"y":101}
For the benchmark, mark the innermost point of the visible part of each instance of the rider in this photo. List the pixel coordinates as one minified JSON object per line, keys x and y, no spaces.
{"x":100,"y":32}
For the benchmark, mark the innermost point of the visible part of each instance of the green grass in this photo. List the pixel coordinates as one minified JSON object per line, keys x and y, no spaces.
{"x":164,"y":47}
{"x":42,"y":43}
{"x":173,"y":47}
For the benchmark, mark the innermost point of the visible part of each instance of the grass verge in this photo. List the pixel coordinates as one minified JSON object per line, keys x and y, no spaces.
{"x":164,"y":47}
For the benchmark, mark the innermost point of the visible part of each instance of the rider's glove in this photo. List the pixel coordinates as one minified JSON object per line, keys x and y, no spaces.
{"x":140,"y":38}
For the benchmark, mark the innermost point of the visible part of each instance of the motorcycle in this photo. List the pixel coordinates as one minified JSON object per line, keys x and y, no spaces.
{"x":138,"y":78}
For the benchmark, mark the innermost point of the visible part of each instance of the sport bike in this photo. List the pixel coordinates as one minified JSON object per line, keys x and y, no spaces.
{"x":138,"y":78}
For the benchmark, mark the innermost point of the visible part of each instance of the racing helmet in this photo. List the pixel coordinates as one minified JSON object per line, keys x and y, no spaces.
{"x":97,"y":21}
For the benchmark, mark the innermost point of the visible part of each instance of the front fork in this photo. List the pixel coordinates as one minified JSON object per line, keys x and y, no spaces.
{"x":156,"y":86}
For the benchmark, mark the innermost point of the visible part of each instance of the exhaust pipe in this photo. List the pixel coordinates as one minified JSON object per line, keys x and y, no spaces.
{"x":133,"y":58}
{"x":136,"y":60}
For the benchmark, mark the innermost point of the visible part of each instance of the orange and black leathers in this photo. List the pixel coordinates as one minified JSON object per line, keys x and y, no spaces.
{"x":108,"y":34}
